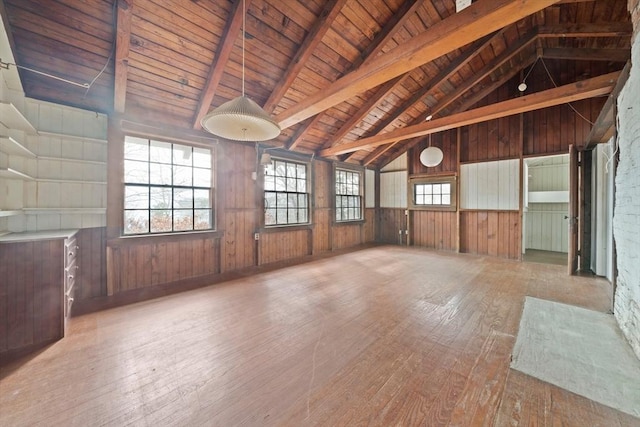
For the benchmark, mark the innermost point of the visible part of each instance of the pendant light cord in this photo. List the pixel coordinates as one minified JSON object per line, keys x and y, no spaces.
{"x":244,"y":25}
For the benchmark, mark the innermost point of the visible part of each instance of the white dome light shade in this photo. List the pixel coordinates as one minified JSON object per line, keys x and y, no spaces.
{"x":241,"y":119}
{"x":431,"y":156}
{"x":522,"y":87}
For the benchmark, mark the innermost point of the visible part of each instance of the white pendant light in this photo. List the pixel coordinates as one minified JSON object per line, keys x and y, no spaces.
{"x":241,"y":119}
{"x":431,"y":156}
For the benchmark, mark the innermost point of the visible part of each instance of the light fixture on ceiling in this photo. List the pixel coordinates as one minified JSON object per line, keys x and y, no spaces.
{"x":241,"y":119}
{"x":523,"y":86}
{"x":431,"y":156}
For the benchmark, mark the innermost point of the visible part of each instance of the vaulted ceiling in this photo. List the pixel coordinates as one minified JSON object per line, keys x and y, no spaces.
{"x":331,"y":72}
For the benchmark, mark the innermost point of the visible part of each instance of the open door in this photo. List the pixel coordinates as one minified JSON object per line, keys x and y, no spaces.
{"x":573,"y":210}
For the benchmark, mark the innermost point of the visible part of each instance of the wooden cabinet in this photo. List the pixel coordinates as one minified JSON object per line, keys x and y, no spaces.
{"x":37,"y":278}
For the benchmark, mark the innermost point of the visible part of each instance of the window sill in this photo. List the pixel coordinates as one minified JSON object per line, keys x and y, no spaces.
{"x":354,"y":222}
{"x":282,"y":228}
{"x":140,"y":239}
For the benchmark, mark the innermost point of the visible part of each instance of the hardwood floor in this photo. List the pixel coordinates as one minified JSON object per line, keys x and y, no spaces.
{"x":382,"y":336}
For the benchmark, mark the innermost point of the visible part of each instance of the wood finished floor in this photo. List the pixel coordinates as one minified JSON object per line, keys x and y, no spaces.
{"x":381,"y":336}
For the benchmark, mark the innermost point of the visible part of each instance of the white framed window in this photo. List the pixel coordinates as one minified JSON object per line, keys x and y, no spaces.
{"x":286,"y":193}
{"x":167,"y":187}
{"x":348,"y":192}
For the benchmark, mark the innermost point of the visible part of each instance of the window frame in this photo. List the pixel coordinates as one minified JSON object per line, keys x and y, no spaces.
{"x":212,"y":188}
{"x":361,"y":188}
{"x":309,"y":193}
{"x":414,"y":181}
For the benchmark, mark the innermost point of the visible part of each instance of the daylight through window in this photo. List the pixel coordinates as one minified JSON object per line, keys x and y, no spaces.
{"x":286,"y":193}
{"x":348,"y":195}
{"x":167,"y":187}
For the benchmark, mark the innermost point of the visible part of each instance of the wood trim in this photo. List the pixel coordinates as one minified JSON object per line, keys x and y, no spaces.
{"x":608,"y":29}
{"x":590,"y":88}
{"x":123,"y":40}
{"x":128,"y":241}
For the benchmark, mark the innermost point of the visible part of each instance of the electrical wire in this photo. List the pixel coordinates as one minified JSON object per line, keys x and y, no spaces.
{"x":570,"y":105}
{"x":114,"y":18}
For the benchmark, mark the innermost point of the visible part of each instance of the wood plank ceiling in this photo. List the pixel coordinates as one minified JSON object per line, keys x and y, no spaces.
{"x":330,"y":71}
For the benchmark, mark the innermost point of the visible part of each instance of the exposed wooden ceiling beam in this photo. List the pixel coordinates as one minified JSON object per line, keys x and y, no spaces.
{"x":407,"y":9}
{"x":461,"y":90}
{"x":590,"y":88}
{"x":467,"y":103}
{"x":580,"y":54}
{"x":481,"y":18}
{"x":444,"y":75}
{"x":313,"y":38}
{"x":123,"y":40}
{"x":604,"y":126}
{"x":608,"y":29}
{"x":230,"y":34}
{"x":302,"y":132}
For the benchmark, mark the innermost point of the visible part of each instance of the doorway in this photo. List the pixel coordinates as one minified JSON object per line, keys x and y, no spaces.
{"x":545,"y":231}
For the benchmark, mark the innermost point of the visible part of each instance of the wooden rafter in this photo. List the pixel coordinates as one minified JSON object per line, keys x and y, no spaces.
{"x":380,"y":40}
{"x":123,"y":40}
{"x":444,"y":75}
{"x":590,"y":88}
{"x":231,"y":31}
{"x":608,"y":29}
{"x":582,"y":54}
{"x":478,"y":20}
{"x":306,"y":49}
{"x":468,"y":103}
{"x":461,"y":90}
{"x":604,"y":126}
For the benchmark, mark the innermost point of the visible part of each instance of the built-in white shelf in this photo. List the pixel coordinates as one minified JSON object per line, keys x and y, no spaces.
{"x":10,"y":213}
{"x":65,"y":159}
{"x":45,"y":211}
{"x":74,"y":137}
{"x":548,"y":197}
{"x":9,"y":145}
{"x":12,"y":118}
{"x":10,"y":173}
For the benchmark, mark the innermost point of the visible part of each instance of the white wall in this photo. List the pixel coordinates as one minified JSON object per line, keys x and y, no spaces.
{"x":393,"y":183}
{"x":602,"y":197}
{"x":490,"y":185}
{"x":370,"y":188}
{"x":626,"y":218}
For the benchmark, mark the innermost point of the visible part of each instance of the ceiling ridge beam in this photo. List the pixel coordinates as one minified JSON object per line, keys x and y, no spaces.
{"x":231,"y":31}
{"x":311,"y":41}
{"x":586,"y":54}
{"x":479,"y":19}
{"x":407,"y":9}
{"x":584,"y":89}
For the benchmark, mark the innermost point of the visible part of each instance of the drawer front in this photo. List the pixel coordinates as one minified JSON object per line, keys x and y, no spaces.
{"x":70,"y":251}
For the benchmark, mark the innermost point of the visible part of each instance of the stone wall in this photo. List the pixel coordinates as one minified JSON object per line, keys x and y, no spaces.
{"x":626,"y":220}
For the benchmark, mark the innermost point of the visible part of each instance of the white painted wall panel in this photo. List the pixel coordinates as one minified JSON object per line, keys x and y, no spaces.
{"x":398,"y":164}
{"x":490,"y":185}
{"x":370,"y":189}
{"x":393,"y":189}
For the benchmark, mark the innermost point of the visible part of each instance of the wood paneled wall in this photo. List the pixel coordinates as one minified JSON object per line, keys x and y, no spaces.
{"x":391,"y":221}
{"x":434,"y":229}
{"x":31,"y":293}
{"x":448,"y":142}
{"x":284,"y":245}
{"x":494,"y":233}
{"x":135,"y":265}
{"x":91,"y":276}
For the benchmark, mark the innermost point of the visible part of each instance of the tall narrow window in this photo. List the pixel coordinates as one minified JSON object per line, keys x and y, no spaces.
{"x":167,"y":187}
{"x":348,"y":195}
{"x":286,"y":193}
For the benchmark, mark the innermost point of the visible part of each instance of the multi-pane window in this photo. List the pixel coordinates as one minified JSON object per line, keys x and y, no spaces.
{"x":433,"y":194}
{"x":286,"y":193}
{"x":167,"y":187}
{"x":348,"y":195}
